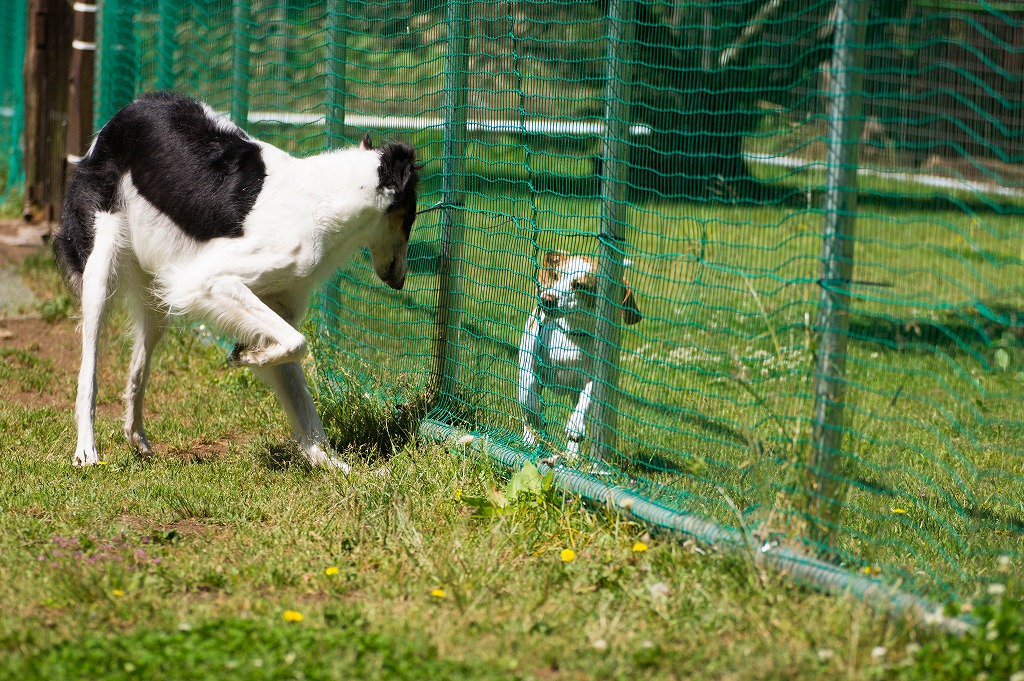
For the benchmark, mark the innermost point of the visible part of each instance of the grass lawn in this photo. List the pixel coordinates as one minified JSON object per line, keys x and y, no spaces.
{"x":223,"y":557}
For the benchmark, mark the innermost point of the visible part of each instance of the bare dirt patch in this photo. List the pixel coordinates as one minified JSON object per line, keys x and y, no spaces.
{"x":52,"y":347}
{"x":19,"y":239}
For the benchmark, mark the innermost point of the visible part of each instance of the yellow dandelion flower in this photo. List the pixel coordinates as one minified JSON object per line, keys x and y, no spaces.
{"x":117,"y":592}
{"x":293,"y":616}
{"x":568,"y":555}
{"x":101,"y":463}
{"x":333,"y":570}
{"x":900,"y":511}
{"x":639,"y":547}
{"x":437,"y":593}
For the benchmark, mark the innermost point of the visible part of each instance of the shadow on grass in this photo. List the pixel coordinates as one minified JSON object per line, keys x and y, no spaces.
{"x":967,"y":328}
{"x":747,"y":191}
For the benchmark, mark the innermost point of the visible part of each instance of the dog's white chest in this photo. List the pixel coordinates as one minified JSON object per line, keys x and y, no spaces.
{"x":565,"y":358}
{"x":560,"y":348}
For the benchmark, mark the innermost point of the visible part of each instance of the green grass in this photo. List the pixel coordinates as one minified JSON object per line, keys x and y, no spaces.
{"x":184,"y":566}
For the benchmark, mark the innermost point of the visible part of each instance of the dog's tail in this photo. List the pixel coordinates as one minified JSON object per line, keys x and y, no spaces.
{"x":92,"y":188}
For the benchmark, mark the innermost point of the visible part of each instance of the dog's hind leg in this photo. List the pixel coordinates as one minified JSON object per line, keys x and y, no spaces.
{"x":97,"y":288}
{"x":292,"y":390}
{"x":149,"y":327}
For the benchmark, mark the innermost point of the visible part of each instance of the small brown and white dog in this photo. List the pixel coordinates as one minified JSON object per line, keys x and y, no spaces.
{"x":558,"y":346}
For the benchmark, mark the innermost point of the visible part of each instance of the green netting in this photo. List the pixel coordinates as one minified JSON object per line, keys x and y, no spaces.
{"x":709,"y":146}
{"x":12,"y":52}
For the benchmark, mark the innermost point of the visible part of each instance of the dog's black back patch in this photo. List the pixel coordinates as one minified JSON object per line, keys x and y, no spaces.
{"x":205,"y":174}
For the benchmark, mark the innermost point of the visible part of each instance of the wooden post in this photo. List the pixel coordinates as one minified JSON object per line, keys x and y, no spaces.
{"x":33,"y":75}
{"x":80,"y":81}
{"x":45,"y":70}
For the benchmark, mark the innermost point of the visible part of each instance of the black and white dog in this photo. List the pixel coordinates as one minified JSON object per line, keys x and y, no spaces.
{"x":176,"y":208}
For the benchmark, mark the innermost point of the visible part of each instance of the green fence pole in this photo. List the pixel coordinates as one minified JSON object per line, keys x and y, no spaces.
{"x":240,"y":63}
{"x":337,"y":63}
{"x":614,"y":209}
{"x":447,"y":348}
{"x":168,"y":12}
{"x":118,"y":69}
{"x":825,"y":488}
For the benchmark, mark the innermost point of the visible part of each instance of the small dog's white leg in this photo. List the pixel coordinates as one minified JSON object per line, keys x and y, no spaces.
{"x":289,"y":382}
{"x":576,"y":426}
{"x":265,"y":339}
{"x":149,"y":328}
{"x":529,"y":386}
{"x":97,"y":287}
{"x":533,"y":414}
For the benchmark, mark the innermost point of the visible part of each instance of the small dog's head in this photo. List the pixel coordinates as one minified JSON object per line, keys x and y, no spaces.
{"x":568,"y":284}
{"x":398,"y":176}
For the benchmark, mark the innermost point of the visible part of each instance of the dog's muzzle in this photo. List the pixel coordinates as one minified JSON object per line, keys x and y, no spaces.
{"x":393,"y":278}
{"x":548,"y":301}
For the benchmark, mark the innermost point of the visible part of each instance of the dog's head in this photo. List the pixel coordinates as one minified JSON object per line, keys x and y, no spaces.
{"x":398,"y":177}
{"x":568,"y":284}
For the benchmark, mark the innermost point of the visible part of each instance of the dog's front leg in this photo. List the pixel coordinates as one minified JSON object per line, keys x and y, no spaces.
{"x":289,"y":382}
{"x":264,"y":338}
{"x":530,"y":386}
{"x":576,"y":426}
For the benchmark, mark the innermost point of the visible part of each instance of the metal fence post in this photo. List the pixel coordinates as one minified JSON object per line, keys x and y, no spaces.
{"x":825,"y":488}
{"x":166,"y":42}
{"x":447,"y":348}
{"x":337,"y":62}
{"x":117,"y":57}
{"x":614,"y":195}
{"x":240,"y":63}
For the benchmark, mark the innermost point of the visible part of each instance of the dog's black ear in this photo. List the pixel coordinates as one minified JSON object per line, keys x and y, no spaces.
{"x":366,"y":143}
{"x":398,"y":170}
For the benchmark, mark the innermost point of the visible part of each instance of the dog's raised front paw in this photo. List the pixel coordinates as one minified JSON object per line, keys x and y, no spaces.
{"x":245,"y":356}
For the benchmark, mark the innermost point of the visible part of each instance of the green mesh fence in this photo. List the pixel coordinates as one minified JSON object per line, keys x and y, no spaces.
{"x":12,"y":52}
{"x":818,"y":206}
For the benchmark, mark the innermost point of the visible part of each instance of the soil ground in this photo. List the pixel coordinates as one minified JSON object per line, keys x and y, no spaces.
{"x":54,"y":344}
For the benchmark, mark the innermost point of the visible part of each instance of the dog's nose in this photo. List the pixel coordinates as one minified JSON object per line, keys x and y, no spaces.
{"x":548,"y":300}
